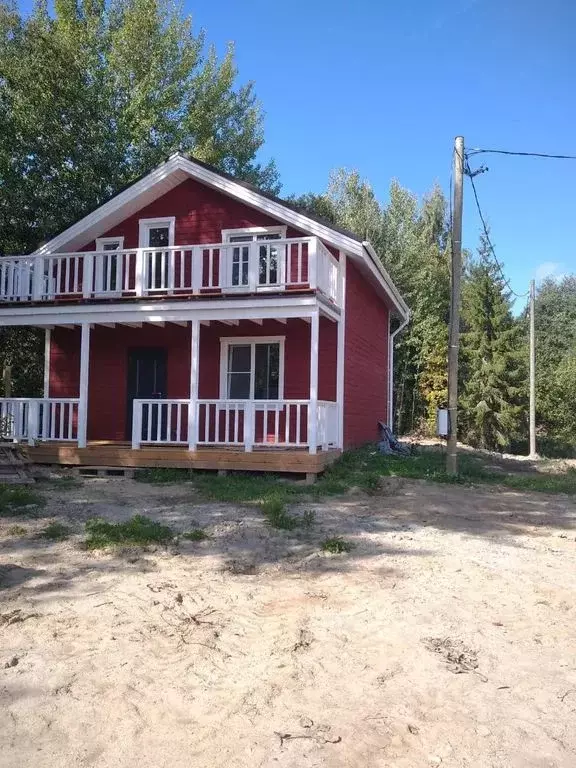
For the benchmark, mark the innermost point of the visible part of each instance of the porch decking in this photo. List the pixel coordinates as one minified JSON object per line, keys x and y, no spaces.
{"x":114,"y":454}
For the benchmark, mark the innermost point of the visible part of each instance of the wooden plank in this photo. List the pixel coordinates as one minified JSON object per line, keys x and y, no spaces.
{"x":117,"y":455}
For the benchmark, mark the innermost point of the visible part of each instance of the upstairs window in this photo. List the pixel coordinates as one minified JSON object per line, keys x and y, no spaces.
{"x":156,"y":234}
{"x":107,"y":269}
{"x":270,"y":265}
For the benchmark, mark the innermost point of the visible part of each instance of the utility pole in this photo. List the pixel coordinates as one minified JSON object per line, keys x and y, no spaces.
{"x":533,"y":453}
{"x":454,"y":341}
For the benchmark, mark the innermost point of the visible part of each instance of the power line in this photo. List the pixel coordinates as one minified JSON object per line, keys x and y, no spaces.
{"x":487,"y":234}
{"x":477,"y":151}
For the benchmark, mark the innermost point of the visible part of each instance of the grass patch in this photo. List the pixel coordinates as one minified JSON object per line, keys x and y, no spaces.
{"x":196,"y":534}
{"x":274,"y":510}
{"x":55,"y":532}
{"x":363,"y":468}
{"x":14,"y":497}
{"x":17,"y":530}
{"x":336,"y":545}
{"x":139,"y":530}
{"x":161,"y":475}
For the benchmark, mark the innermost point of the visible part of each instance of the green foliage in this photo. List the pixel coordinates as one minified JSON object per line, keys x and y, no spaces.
{"x":196,"y":534}
{"x":276,"y":515}
{"x":336,"y":545}
{"x":97,"y":94}
{"x":55,"y":532}
{"x":493,"y":370}
{"x":555,"y":320}
{"x":138,"y":530}
{"x":164,"y":475}
{"x":14,"y":497}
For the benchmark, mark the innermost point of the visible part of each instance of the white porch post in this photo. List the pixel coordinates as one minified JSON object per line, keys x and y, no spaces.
{"x":340,"y":348}
{"x":84,"y":369}
{"x":313,"y":404}
{"x":193,"y":410}
{"x":47,"y":340}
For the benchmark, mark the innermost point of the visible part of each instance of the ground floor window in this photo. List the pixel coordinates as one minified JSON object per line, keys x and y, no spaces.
{"x":252,"y":369}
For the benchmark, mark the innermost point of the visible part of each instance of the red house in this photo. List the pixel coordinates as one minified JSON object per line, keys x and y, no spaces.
{"x":194,"y":321}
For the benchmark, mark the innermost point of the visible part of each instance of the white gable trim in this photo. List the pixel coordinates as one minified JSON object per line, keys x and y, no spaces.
{"x":180,"y":167}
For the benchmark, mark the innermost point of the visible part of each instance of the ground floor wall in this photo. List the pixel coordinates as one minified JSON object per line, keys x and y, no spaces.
{"x":109,"y":354}
{"x":366,"y":354}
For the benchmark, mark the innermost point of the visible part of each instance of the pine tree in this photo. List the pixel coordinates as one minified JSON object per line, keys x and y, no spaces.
{"x":492,"y":368}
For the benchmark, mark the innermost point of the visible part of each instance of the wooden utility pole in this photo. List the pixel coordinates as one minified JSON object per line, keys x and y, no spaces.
{"x":533,"y":453}
{"x":454,"y":341}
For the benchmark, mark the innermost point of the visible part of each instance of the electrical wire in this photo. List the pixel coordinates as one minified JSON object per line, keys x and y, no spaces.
{"x":477,"y":151}
{"x":487,"y":234}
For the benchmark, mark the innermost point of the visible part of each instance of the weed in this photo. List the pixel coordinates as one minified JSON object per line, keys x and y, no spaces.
{"x":161,"y":475}
{"x":14,"y":497}
{"x":55,"y":532}
{"x":17,"y":530}
{"x":274,"y":511}
{"x":139,"y":530}
{"x":196,"y":534}
{"x":336,"y":545}
{"x":308,"y":518}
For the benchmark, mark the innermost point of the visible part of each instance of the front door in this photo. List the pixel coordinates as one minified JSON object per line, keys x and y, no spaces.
{"x":146,"y":381}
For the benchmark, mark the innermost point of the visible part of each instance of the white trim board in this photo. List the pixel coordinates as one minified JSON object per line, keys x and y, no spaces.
{"x":274,"y":308}
{"x":175,"y":170}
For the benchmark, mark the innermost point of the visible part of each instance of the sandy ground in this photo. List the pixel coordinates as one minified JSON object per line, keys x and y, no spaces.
{"x":446,"y":637}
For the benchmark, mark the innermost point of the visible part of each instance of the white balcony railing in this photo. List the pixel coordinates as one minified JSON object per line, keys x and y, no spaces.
{"x":31,"y":419}
{"x":247,"y":423}
{"x":264,"y":265}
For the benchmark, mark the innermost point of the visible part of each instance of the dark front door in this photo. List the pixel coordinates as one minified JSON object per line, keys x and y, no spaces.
{"x":146,"y":381}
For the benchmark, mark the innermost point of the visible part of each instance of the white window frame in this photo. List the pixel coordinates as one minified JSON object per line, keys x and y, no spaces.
{"x":253,"y":233}
{"x":228,"y":341}
{"x":101,"y":265}
{"x":145,"y":225}
{"x":275,"y":230}
{"x":102,"y":241}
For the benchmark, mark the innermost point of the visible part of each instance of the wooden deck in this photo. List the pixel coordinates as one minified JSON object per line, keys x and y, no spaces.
{"x":109,"y":454}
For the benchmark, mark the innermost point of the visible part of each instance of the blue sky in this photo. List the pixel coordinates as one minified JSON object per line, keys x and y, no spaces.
{"x":385,"y":86}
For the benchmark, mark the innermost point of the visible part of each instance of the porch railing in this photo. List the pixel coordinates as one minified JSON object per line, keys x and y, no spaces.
{"x":253,"y":267}
{"x":247,"y":423}
{"x":31,"y":419}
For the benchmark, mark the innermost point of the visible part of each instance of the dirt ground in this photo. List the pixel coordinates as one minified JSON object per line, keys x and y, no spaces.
{"x":446,"y":637}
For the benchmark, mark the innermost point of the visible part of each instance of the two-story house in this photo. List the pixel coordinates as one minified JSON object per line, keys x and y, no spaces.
{"x":193,"y":321}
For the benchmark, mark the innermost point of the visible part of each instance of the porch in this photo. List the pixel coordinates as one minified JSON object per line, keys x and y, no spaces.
{"x":260,"y":393}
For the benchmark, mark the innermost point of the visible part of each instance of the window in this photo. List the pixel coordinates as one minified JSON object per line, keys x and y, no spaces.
{"x":107,"y":272}
{"x":156,"y":234}
{"x":252,"y":369}
{"x":270,"y":257}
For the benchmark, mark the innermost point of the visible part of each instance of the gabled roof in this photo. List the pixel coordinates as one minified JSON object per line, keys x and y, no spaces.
{"x":176,"y":169}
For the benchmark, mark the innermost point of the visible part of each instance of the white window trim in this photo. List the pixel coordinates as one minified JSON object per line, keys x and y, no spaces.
{"x":276,"y":230}
{"x":227,"y":341}
{"x":102,"y":241}
{"x":145,"y":224}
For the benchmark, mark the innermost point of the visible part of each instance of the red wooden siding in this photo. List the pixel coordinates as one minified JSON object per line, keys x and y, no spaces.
{"x":201,"y":215}
{"x":108,"y":373}
{"x":366,"y":356}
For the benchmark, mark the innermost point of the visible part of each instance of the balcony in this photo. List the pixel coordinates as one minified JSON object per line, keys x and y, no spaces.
{"x":275,"y":266}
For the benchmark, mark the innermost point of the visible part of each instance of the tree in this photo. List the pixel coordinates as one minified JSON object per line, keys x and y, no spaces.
{"x":100,"y":93}
{"x":555,"y":321}
{"x":493,"y":371}
{"x":93,"y":96}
